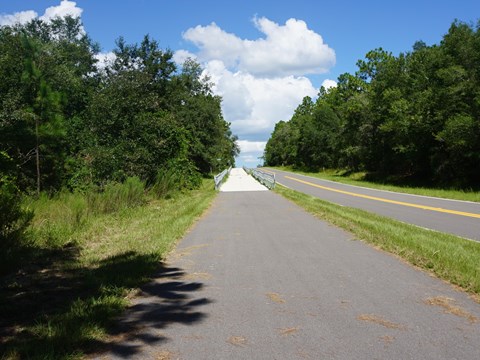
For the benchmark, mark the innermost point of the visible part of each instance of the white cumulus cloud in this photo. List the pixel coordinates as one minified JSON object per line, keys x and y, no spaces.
{"x":254,"y":104}
{"x":250,"y":160}
{"x":247,"y":146}
{"x":289,"y":49}
{"x":251,"y":152}
{"x":328,"y":84}
{"x":180,"y":56}
{"x":104,"y":59}
{"x":261,"y":81}
{"x":215,"y":44}
{"x":21,"y":17}
{"x":63,"y":9}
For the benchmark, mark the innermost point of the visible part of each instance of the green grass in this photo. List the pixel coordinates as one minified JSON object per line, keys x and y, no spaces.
{"x":83,"y":267}
{"x":57,"y":219}
{"x":358,"y":179}
{"x":449,"y":257}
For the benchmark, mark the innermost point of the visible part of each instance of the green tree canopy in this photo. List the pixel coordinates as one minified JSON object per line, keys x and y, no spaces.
{"x":413,"y":116}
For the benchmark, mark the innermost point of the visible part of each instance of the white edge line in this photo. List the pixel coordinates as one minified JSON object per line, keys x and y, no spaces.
{"x":285,"y":186}
{"x":437,"y":231}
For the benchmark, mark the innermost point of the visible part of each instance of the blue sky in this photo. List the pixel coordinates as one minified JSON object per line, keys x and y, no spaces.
{"x":264,"y":56}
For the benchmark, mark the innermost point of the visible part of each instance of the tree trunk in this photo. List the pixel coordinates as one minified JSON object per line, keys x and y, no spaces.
{"x":37,"y":155}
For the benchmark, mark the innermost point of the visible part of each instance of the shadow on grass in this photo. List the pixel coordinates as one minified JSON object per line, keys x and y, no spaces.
{"x":39,"y":287}
{"x":57,"y":309}
{"x":164,"y":301}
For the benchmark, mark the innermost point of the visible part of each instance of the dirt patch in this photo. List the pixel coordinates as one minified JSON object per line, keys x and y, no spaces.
{"x":288,"y":331}
{"x":193,"y":337}
{"x":387,"y":339}
{"x":275,"y":298}
{"x":165,"y":355}
{"x":380,"y":321}
{"x":197,"y":276}
{"x":449,"y":308}
{"x":303,"y":354}
{"x":237,"y":340}
{"x":180,"y":253}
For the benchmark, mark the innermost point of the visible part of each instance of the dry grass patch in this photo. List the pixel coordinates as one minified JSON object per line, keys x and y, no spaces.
{"x":180,"y":253}
{"x":197,"y":276}
{"x":289,"y":331}
{"x":446,"y":303}
{"x":165,"y":355}
{"x":237,"y":340}
{"x":387,"y":339}
{"x":275,"y":297}
{"x":380,"y":321}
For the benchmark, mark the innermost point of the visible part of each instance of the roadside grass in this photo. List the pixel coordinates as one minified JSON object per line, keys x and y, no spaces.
{"x":451,"y":258}
{"x":61,"y":306}
{"x":57,"y":220}
{"x":358,"y":179}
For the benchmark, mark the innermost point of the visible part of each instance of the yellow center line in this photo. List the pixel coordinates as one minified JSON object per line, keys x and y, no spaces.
{"x":424,"y":207}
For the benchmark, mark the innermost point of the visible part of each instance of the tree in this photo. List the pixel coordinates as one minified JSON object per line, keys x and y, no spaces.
{"x":412,"y":117}
{"x":281,"y":147}
{"x":47,"y":71}
{"x":44,"y":106}
{"x":212,"y":146}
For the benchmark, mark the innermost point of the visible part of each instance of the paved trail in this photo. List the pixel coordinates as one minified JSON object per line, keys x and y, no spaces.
{"x":259,"y":278}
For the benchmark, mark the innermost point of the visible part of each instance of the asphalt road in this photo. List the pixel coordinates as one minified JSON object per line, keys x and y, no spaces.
{"x":259,"y":278}
{"x":460,"y":218}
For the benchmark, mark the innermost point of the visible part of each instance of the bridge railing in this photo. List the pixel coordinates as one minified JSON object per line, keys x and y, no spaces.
{"x":265,"y":178}
{"x":219,"y":178}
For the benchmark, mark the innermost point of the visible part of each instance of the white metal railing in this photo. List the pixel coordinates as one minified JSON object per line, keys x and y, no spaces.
{"x":266,"y":178}
{"x":219,"y":178}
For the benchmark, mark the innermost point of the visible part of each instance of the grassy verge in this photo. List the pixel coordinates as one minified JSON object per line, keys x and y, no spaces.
{"x":449,"y":257}
{"x":62,"y":304}
{"x":358,"y":179}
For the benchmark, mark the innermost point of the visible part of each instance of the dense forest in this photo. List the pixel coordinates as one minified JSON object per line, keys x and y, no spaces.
{"x":71,"y":123}
{"x":414,"y":117}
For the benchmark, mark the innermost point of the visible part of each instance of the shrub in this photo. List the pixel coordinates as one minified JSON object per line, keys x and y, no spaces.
{"x":116,"y":196}
{"x":13,"y":222}
{"x":177,"y":175}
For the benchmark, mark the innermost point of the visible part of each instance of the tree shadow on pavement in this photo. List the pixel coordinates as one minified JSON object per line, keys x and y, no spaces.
{"x":164,"y":301}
